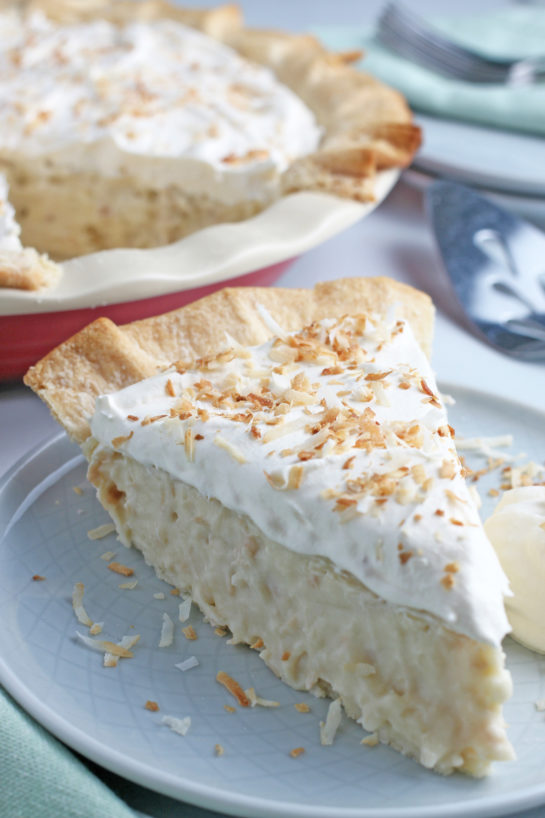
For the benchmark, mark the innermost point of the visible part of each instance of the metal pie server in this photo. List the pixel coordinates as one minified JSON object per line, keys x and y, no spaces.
{"x":496,"y":263}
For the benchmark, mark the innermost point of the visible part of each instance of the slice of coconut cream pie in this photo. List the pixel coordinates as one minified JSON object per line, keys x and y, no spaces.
{"x":308,"y":494}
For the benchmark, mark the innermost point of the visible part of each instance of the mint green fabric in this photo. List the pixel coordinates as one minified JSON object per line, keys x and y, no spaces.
{"x":510,"y":32}
{"x":41,"y":778}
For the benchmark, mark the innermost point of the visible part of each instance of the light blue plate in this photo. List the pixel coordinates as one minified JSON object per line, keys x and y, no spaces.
{"x":100,"y":712}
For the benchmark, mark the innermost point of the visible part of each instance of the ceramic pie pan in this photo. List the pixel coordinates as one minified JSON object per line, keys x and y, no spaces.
{"x":128,"y":284}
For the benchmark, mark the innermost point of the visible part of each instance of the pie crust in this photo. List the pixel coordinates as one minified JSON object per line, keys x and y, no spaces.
{"x":104,"y":357}
{"x":367,"y":127}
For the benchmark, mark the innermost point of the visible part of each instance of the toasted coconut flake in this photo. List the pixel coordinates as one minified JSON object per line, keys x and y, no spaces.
{"x":258,"y":644}
{"x":447,"y":469}
{"x":302,"y":707}
{"x":218,"y":749}
{"x":184,"y":609}
{"x":128,"y":586}
{"x":297,"y":751}
{"x":153,"y":706}
{"x":169,"y":389}
{"x":349,"y":514}
{"x":485,"y":446}
{"x":234,"y":451}
{"x":295,"y":477}
{"x":298,"y":398}
{"x":229,"y":708}
{"x":190,"y":633}
{"x":370,"y":741}
{"x":126,"y":642}
{"x":180,"y":726}
{"x":101,"y":531}
{"x":96,"y":628}
{"x":119,"y":568}
{"x":105,"y":646}
{"x":187,"y":664}
{"x":167,"y":632}
{"x":37,"y":578}
{"x":107,"y":556}
{"x":189,"y":445}
{"x":328,"y":729}
{"x":284,"y":428}
{"x":257,"y":700}
{"x":378,"y":376}
{"x":275,"y":480}
{"x":234,"y":688}
{"x":77,"y":604}
{"x":77,"y":490}
{"x":118,"y":441}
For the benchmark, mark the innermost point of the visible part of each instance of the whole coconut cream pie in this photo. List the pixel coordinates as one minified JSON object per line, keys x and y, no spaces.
{"x":284,"y":457}
{"x":134,"y":124}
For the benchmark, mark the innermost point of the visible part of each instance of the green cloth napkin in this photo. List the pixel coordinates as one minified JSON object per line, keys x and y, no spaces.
{"x":41,"y":778}
{"x":509,"y":32}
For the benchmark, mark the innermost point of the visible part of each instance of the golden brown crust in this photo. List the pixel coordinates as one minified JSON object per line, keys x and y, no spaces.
{"x":26,"y":269}
{"x":360,"y":116}
{"x":220,"y":22}
{"x":104,"y":357}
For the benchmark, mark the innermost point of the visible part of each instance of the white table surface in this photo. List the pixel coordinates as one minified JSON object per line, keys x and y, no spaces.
{"x":394,"y":241}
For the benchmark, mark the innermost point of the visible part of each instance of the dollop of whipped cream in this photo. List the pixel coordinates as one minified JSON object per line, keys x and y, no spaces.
{"x":335,"y":442}
{"x":102,"y":94}
{"x":516,"y":529}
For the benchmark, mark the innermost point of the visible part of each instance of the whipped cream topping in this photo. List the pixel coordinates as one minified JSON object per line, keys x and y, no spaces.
{"x":516,"y":529}
{"x":335,"y":442}
{"x":98,"y":96}
{"x":9,"y":228}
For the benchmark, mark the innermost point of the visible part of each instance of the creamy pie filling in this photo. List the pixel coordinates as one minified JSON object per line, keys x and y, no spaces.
{"x":335,"y":443}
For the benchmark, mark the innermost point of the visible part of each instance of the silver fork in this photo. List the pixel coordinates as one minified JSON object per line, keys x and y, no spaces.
{"x":404,"y":32}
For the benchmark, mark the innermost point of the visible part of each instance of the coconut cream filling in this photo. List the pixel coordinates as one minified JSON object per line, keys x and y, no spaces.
{"x":335,"y":443}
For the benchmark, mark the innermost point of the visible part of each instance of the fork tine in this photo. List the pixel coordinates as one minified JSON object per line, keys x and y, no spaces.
{"x":410,"y":28}
{"x":408,"y":34}
{"x":432,"y":60}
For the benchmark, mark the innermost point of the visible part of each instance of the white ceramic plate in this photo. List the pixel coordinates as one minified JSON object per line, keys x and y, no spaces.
{"x":488,"y":157}
{"x":100,"y":712}
{"x":289,"y":227}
